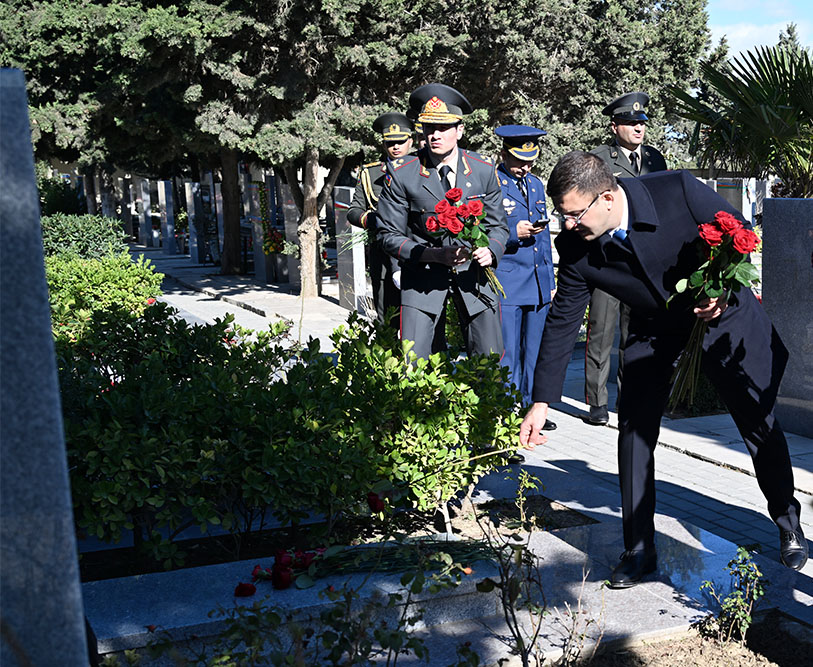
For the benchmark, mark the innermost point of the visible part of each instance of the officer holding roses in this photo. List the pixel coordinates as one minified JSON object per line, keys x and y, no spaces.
{"x":436,"y":267}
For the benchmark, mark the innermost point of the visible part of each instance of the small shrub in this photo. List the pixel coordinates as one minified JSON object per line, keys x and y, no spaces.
{"x":737,"y":608}
{"x":83,"y":236}
{"x":80,"y":287}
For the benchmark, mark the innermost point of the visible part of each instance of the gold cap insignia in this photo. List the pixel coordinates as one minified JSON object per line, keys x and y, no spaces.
{"x":636,"y":106}
{"x":528,"y":146}
{"x":436,"y":105}
{"x":394,"y":128}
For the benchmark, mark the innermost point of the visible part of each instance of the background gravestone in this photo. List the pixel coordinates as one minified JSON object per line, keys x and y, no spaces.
{"x":349,"y":254}
{"x":787,"y":294}
{"x":41,"y":616}
{"x":167,"y":205}
{"x":291,"y":215}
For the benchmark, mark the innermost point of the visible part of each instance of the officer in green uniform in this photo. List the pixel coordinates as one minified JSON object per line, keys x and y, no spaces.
{"x":396,"y":134}
{"x":628,"y":157}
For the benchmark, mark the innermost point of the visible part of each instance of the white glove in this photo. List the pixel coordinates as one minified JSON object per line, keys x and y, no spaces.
{"x":396,"y":279}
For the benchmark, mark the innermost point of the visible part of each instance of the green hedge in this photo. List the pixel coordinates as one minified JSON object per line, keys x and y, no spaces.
{"x":85,"y":236}
{"x":170,"y":425}
{"x":79,"y":288}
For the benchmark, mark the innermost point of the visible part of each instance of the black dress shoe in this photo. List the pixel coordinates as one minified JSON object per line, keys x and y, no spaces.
{"x":793,"y":548}
{"x":549,"y":426}
{"x":599,"y":415}
{"x":632,"y":568}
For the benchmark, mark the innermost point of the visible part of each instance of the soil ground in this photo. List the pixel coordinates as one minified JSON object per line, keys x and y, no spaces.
{"x":773,"y":641}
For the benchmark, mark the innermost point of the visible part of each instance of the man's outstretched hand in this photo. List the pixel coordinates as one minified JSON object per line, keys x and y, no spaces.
{"x":530,"y":431}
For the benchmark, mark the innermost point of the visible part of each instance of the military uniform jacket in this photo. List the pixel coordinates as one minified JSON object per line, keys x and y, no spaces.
{"x":526,"y":269}
{"x":362,"y":210}
{"x":665,"y":209}
{"x":408,"y":200}
{"x":651,"y":160}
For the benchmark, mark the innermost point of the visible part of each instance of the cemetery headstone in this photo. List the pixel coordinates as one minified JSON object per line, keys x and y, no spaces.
{"x":197,"y":246}
{"x":787,"y":264}
{"x":291,"y":214}
{"x":41,"y":615}
{"x":126,"y":206}
{"x":145,"y":236}
{"x":275,"y":214}
{"x":350,"y":254}
{"x":167,"y":204}
{"x":263,"y":264}
{"x":219,"y":212}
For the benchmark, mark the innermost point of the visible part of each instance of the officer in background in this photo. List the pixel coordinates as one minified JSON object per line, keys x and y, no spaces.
{"x":434,"y":269}
{"x":628,"y":157}
{"x":396,"y":134}
{"x":526,"y":269}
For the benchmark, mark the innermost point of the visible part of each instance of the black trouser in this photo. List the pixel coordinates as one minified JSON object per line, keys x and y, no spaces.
{"x":744,"y":360}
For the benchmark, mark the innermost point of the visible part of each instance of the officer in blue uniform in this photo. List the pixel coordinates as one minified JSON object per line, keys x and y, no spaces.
{"x":526,"y":269}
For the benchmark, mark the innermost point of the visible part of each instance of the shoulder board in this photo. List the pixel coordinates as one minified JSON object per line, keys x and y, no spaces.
{"x":403,"y":162}
{"x":477,"y":157}
{"x":370,"y":165}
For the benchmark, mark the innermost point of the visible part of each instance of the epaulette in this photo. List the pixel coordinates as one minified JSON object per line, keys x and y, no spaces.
{"x":369,"y":165}
{"x":477,"y":157}
{"x":409,"y":159}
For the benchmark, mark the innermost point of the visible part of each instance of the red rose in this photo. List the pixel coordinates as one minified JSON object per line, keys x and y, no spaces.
{"x":304,"y":559}
{"x":442,"y":207}
{"x":283,"y":559}
{"x":281,"y":577}
{"x":455,"y":226}
{"x":432,"y":224}
{"x":710,"y":233}
{"x":475,"y":207}
{"x":244,"y":590}
{"x":375,"y":503}
{"x":454,"y":195}
{"x":150,"y":301}
{"x":463,"y":211}
{"x":744,"y":240}
{"x":448,"y":218}
{"x":255,"y":573}
{"x":727,"y":222}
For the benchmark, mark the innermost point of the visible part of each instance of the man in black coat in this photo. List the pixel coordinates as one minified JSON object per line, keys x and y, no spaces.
{"x":742,"y":353}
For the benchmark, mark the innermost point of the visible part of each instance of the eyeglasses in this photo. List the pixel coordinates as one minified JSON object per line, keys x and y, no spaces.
{"x":576,"y":219}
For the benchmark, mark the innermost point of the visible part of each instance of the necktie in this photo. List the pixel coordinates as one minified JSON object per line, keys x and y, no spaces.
{"x":444,"y":177}
{"x":621,"y":235}
{"x":521,"y":184}
{"x":634,"y":162}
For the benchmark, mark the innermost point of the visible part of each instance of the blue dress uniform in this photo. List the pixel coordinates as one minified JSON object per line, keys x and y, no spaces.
{"x":526,"y":269}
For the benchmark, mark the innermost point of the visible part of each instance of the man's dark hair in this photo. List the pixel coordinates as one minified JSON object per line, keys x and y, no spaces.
{"x":582,"y":171}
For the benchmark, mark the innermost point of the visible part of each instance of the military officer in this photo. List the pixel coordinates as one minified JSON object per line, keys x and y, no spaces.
{"x":434,"y":269}
{"x":396,"y":135}
{"x":628,"y":157}
{"x":526,"y":269}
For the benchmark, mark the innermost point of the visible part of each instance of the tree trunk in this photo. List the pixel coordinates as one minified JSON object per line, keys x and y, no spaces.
{"x":230,"y":188}
{"x":309,"y":261}
{"x":89,"y":184}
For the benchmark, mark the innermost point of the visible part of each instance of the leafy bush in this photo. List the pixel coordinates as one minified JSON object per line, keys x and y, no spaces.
{"x":85,"y":236}
{"x":57,"y":195}
{"x":79,"y":287}
{"x":170,"y":425}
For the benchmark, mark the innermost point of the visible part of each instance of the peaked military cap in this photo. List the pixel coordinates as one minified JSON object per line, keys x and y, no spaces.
{"x":412,"y":114}
{"x":438,"y":103}
{"x":629,"y":106}
{"x":393,"y":126}
{"x":522,"y":141}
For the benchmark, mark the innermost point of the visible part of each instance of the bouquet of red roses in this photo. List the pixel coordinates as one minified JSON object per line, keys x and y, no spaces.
{"x":725,"y":246}
{"x":462,"y":221}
